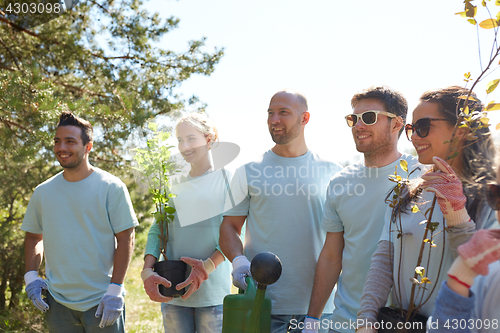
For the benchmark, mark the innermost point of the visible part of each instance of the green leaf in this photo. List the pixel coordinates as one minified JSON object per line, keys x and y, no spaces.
{"x":455,"y":154}
{"x":488,"y":24}
{"x":415,"y":209}
{"x":153,"y":126}
{"x":490,"y":87}
{"x":404,"y":165}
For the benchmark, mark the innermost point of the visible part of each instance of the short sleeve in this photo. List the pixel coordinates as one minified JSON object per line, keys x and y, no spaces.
{"x":120,"y":210}
{"x":331,"y":221}
{"x":237,"y":202}
{"x":32,"y":221}
{"x":387,"y":225}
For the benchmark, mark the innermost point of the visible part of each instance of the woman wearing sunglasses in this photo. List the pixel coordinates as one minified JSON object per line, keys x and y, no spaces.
{"x":461,"y":202}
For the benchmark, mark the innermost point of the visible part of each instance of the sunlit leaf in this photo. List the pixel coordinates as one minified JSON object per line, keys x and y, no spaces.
{"x":404,"y":165}
{"x":153,"y":126}
{"x":492,"y":106}
{"x":466,"y":110}
{"x":488,"y":24}
{"x":490,"y":87}
{"x":463,"y":14}
{"x":420,"y":270}
{"x":414,"y":209}
{"x":485,"y":120}
{"x":497,"y":127}
{"x":471,"y":98}
{"x":426,"y":280}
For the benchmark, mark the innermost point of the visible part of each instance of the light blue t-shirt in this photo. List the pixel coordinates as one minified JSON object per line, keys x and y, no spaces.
{"x":283,"y":200}
{"x":194,"y":233}
{"x":78,"y":221}
{"x":407,"y":249}
{"x":356,"y":205}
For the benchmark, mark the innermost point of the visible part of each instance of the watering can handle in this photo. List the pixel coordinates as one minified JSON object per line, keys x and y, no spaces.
{"x":250,"y":281}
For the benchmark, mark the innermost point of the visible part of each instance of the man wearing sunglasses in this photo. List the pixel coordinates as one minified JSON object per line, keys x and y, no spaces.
{"x":354,"y":210}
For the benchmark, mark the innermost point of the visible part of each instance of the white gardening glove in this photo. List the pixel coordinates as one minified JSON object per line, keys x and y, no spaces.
{"x":241,"y":269}
{"x":34,"y":287}
{"x":311,"y":325}
{"x":111,"y":305}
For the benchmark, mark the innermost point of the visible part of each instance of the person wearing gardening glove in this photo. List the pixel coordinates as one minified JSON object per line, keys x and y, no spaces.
{"x":445,"y":184}
{"x":279,"y":199}
{"x":192,"y":304}
{"x":408,"y":248}
{"x":81,"y":221}
{"x":456,"y":300}
{"x":34,"y":288}
{"x":241,"y":269}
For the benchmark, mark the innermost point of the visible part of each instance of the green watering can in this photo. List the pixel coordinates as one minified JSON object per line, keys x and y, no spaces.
{"x":250,"y":312}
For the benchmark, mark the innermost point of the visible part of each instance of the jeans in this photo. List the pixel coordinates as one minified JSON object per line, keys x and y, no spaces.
{"x":180,"y":319}
{"x":293,"y":323}
{"x":61,"y":319}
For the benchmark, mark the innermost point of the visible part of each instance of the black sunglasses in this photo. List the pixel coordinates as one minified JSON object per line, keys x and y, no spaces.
{"x":421,"y":127}
{"x":494,"y":196}
{"x":368,"y":117}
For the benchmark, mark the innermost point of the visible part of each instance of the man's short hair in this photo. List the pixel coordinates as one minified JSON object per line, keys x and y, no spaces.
{"x":67,"y":118}
{"x":393,"y":100}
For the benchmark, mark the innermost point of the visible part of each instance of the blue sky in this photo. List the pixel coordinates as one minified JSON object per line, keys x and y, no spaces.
{"x":326,"y":49}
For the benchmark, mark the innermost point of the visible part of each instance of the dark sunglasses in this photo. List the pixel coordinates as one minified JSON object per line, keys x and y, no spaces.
{"x":368,"y":117}
{"x":421,"y":127}
{"x":494,"y":196}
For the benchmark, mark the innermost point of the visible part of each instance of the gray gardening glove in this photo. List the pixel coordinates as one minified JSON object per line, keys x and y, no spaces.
{"x":34,"y":287}
{"x":241,"y":269}
{"x":111,"y":305}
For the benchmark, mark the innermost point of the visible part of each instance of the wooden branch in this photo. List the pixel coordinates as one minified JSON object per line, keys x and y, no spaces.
{"x":12,"y":55}
{"x":9,"y":123}
{"x":29,"y":32}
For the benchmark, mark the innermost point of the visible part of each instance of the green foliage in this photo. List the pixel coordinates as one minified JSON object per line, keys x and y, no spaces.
{"x":155,"y":167}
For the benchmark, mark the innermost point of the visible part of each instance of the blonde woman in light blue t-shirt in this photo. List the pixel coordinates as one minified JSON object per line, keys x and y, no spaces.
{"x":193,"y":236}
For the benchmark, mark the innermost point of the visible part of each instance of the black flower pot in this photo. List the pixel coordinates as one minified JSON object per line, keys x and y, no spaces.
{"x":390,"y":321}
{"x":174,"y":271}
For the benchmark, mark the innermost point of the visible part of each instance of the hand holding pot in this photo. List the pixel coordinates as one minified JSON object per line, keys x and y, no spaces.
{"x":448,"y":189}
{"x":152,"y":282}
{"x":199,"y":273}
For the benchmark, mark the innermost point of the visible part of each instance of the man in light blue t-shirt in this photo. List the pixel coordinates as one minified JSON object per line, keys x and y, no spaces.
{"x":354,"y":210}
{"x":82,"y":221}
{"x":281,"y":195}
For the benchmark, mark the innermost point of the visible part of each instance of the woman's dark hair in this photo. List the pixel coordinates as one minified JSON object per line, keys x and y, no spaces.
{"x":477,"y":156}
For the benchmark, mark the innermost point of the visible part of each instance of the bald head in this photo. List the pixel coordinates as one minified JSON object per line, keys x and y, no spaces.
{"x":296,"y":98}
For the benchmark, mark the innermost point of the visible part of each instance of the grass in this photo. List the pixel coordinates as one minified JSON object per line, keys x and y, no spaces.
{"x":142,"y":314}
